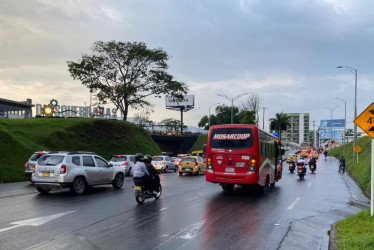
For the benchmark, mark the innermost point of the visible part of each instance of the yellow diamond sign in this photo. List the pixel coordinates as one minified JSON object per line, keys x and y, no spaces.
{"x":366,"y":120}
{"x":357,"y":149}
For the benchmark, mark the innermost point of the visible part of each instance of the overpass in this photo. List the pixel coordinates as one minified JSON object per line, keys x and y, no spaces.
{"x":175,"y":144}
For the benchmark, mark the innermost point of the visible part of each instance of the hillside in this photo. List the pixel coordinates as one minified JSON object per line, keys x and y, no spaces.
{"x":19,"y":138}
{"x":198,"y":145}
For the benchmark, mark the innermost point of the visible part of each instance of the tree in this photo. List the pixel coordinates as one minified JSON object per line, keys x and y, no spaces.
{"x":126,"y":74}
{"x":247,"y":117}
{"x":279,"y":123}
{"x":142,"y":119}
{"x":204,"y":122}
{"x":252,"y":104}
{"x":224,"y":114}
{"x":172,"y":125}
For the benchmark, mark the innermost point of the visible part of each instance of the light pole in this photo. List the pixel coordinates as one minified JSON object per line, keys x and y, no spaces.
{"x":209,"y":114}
{"x":232,"y":101}
{"x":263,"y":118}
{"x":345,"y":119}
{"x":331,"y":135}
{"x":354,"y":71}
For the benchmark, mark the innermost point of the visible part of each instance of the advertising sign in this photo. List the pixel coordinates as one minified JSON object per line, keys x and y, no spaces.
{"x":326,"y":133}
{"x":334,"y":123}
{"x":188,"y":100}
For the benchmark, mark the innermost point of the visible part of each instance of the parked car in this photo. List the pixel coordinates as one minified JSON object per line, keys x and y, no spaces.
{"x":76,"y":170}
{"x":30,"y":164}
{"x":124,"y":161}
{"x":192,"y":164}
{"x":164,"y":163}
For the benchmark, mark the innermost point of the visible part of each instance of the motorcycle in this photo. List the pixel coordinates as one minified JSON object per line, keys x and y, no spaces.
{"x":342,"y":168}
{"x":291,"y":166}
{"x":141,"y":192}
{"x":301,"y":170}
{"x":312,"y":167}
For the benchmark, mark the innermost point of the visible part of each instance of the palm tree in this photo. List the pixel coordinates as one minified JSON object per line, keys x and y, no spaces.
{"x":279,"y":123}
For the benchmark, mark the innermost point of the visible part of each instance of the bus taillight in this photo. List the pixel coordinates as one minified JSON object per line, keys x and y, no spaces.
{"x":209,"y":165}
{"x":252,"y":165}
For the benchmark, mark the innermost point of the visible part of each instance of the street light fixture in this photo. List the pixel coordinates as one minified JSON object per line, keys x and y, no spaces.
{"x":354,"y":71}
{"x":232,"y":101}
{"x":209,"y":113}
{"x":345,"y":119}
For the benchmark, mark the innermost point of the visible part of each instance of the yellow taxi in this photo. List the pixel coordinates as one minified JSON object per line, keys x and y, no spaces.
{"x":192,"y":164}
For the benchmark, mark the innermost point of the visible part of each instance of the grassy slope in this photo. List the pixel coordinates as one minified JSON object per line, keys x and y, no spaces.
{"x":198,"y":145}
{"x":356,"y":232}
{"x":19,"y":138}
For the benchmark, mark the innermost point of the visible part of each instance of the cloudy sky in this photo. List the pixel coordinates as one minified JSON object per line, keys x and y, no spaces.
{"x":285,"y":51}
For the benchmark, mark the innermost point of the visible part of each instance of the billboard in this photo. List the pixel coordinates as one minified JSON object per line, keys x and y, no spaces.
{"x":334,"y":123}
{"x":326,"y":133}
{"x":171,"y":102}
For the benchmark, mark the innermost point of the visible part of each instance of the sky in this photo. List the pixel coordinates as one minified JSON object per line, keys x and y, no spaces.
{"x":287,"y":52}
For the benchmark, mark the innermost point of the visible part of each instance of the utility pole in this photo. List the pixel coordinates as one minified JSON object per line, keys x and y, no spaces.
{"x":314,"y":134}
{"x":263,"y":118}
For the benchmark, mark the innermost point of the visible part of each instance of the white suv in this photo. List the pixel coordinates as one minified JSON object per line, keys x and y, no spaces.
{"x":124,"y":161}
{"x":164,"y":163}
{"x":76,"y":170}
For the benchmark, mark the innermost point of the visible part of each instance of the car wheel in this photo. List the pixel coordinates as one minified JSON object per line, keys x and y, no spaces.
{"x":42,"y":190}
{"x":180,"y":173}
{"x":118,"y":181}
{"x":198,"y":172}
{"x":79,"y":185}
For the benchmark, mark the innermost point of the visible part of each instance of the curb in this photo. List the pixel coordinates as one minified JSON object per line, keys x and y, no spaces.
{"x":332,"y":238}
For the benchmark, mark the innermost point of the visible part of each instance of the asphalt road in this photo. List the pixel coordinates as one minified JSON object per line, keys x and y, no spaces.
{"x":191,"y":214}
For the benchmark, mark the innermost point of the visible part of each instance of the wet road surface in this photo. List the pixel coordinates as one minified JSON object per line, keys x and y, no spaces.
{"x":191,"y":214}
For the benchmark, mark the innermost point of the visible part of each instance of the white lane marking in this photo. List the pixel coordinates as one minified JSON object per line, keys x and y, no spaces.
{"x":294,"y":203}
{"x":191,"y":231}
{"x":309,"y":184}
{"x":162,"y":209}
{"x":36,"y":221}
{"x":9,"y":228}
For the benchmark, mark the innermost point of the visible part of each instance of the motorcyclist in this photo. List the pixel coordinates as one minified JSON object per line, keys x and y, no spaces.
{"x":342,"y":162}
{"x":313,"y":162}
{"x":325,"y":153}
{"x":140,"y":171}
{"x":153,"y":173}
{"x":301,"y":162}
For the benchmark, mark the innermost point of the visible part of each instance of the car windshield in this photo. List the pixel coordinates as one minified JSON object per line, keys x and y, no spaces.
{"x":188,"y":160}
{"x":155,"y":158}
{"x":118,"y":158}
{"x":50,"y":160}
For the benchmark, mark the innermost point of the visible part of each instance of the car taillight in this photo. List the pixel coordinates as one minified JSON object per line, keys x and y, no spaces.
{"x":126,"y":163}
{"x":163,"y":162}
{"x":63,"y":169}
{"x":26,"y":165}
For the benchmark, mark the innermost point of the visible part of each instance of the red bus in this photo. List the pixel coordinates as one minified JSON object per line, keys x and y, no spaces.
{"x":242,"y":154}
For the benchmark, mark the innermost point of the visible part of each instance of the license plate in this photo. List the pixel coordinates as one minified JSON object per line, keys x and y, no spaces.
{"x":230,"y":170}
{"x":33,"y":167}
{"x":45,"y":174}
{"x":137,"y":188}
{"x":187,"y":169}
{"x":300,"y":171}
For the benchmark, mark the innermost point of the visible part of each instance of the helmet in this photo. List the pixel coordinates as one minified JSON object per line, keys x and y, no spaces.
{"x":148,"y":158}
{"x":139,"y":157}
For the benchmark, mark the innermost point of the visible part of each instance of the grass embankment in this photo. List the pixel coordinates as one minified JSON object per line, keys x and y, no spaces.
{"x":19,"y":138}
{"x":198,"y":145}
{"x":356,"y":232}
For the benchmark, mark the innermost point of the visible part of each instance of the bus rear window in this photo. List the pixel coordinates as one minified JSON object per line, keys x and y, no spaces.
{"x":234,"y":138}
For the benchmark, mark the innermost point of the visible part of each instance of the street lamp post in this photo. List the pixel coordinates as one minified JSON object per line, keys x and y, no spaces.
{"x":232,"y":101}
{"x":263,"y":118}
{"x":345,"y":119}
{"x":209,"y":114}
{"x":354,"y":71}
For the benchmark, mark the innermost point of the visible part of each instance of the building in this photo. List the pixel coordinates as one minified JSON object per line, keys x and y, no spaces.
{"x":298,"y":131}
{"x":14,"y":109}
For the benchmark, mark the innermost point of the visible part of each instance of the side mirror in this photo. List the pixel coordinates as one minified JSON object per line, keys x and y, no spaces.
{"x":110,"y":166}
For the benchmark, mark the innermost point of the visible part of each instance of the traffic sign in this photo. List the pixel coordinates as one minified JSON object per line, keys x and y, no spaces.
{"x":366,"y":120}
{"x":357,"y":149}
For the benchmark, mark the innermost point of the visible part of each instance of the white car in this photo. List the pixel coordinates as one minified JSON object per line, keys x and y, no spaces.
{"x":164,"y":163}
{"x":76,"y":170}
{"x":124,"y":161}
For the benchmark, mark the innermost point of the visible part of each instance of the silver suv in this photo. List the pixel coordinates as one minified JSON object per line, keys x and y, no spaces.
{"x":164,"y":163}
{"x":124,"y":161}
{"x":30,"y":164}
{"x":76,"y":170}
